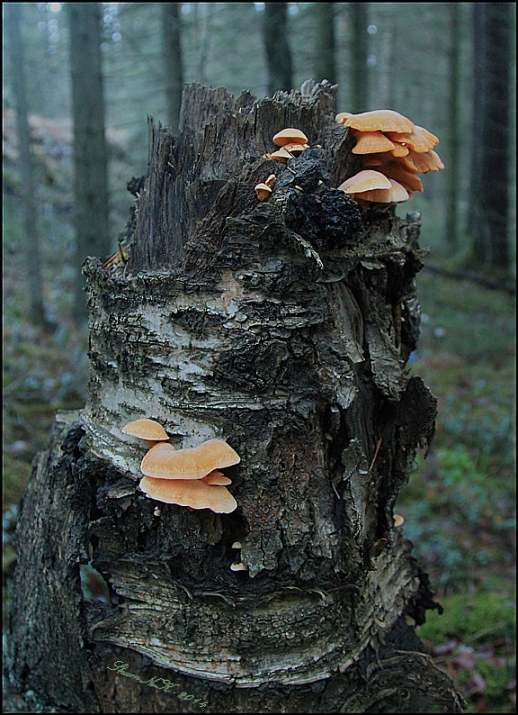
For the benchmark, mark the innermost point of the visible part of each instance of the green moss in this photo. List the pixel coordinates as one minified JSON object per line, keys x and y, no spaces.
{"x":472,"y":617}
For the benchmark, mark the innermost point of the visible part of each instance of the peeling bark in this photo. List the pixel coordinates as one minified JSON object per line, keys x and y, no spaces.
{"x":284,"y":328}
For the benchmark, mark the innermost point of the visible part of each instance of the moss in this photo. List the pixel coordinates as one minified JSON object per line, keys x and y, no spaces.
{"x":473,"y":617}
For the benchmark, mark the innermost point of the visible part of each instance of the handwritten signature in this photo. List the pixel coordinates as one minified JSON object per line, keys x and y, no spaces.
{"x":154,"y":683}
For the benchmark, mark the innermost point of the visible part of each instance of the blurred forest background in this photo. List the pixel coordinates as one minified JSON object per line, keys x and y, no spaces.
{"x":79,"y":82}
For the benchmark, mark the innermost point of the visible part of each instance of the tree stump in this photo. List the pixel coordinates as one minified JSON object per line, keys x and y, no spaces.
{"x":284,"y":328}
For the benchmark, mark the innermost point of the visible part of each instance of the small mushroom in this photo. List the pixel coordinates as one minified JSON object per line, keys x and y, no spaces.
{"x":269,"y":181}
{"x":236,"y":545}
{"x":280,"y":155}
{"x":290,"y":136}
{"x":239,"y":567}
{"x":149,"y":430}
{"x":163,"y":461}
{"x":194,"y":493}
{"x":263,"y":191}
{"x":295,"y":149}
{"x":398,"y":520}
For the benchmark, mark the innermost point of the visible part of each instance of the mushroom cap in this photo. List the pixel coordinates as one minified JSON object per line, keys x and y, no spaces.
{"x":365,"y":180}
{"x":395,"y":170}
{"x":195,"y":493}
{"x":399,"y":150}
{"x":238,"y":567}
{"x":146,"y":429}
{"x":395,"y":195}
{"x":290,"y":136}
{"x":419,"y":139}
{"x":372,"y":142}
{"x":163,"y":461}
{"x":422,"y":162}
{"x":281,"y":155}
{"x":398,"y":520}
{"x":216,"y":477}
{"x":295,"y":149}
{"x":384,"y":120}
{"x":263,"y":191}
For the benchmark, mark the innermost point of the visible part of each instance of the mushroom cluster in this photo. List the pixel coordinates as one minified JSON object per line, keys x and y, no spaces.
{"x":292,"y":142}
{"x":188,"y":477}
{"x":397,"y":148}
{"x":264,"y":189}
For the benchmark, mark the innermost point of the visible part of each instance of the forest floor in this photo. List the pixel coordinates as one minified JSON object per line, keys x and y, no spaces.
{"x":458,"y":507}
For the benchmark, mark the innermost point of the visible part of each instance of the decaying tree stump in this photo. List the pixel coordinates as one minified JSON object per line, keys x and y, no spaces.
{"x":282,"y":327}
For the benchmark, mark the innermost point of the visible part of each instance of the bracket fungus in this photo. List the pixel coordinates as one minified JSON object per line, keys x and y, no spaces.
{"x":165,"y":462}
{"x":190,"y":477}
{"x":195,"y":493}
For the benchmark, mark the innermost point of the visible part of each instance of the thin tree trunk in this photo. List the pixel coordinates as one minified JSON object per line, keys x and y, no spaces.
{"x":32,"y":240}
{"x":359,"y":13}
{"x":278,"y":53}
{"x":90,"y":154}
{"x":325,"y":46}
{"x":173,"y":61}
{"x":284,"y":328}
{"x":454,"y":124}
{"x":490,"y":152}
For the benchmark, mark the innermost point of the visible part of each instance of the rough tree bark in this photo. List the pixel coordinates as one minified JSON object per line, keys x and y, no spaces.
{"x":282,"y":327}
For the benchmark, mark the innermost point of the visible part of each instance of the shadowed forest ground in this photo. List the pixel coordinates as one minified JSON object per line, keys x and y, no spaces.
{"x":458,"y":507}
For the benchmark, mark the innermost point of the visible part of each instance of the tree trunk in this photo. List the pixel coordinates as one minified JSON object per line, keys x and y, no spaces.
{"x":490,"y":149}
{"x":173,"y":62}
{"x":282,"y":327}
{"x":452,"y":242}
{"x":325,"y":45}
{"x":359,"y":93}
{"x":277,"y":48}
{"x":32,"y":242}
{"x":90,"y":155}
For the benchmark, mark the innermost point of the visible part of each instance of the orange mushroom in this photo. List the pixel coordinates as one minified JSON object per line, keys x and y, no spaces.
{"x":419,"y":139}
{"x":263,"y":191}
{"x":149,"y":430}
{"x":281,"y":155}
{"x":394,"y":195}
{"x":365,"y":180}
{"x":422,"y":162}
{"x":194,"y":493}
{"x":384,"y":120}
{"x":290,"y":136}
{"x":163,"y":461}
{"x":371,"y":143}
{"x":395,"y":170}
